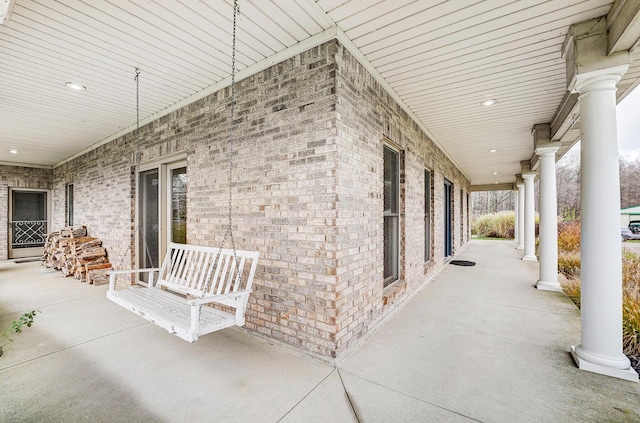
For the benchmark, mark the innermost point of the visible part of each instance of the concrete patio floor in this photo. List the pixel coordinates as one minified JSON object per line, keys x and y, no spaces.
{"x":476,"y":344}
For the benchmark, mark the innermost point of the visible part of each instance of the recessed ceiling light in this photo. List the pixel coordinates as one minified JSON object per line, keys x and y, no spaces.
{"x":495,"y":182}
{"x":493,"y":150}
{"x":495,"y":173}
{"x":75,"y":86}
{"x":489,"y":102}
{"x":13,"y":151}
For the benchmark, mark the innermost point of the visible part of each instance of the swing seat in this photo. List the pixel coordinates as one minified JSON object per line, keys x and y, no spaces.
{"x":191,"y":277}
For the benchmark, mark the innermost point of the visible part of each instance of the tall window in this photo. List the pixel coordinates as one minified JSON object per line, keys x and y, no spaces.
{"x":427,"y":215}
{"x":391,"y":214}
{"x":69,"y":205}
{"x":461,"y":216}
{"x":468,"y":217}
{"x":448,"y":218}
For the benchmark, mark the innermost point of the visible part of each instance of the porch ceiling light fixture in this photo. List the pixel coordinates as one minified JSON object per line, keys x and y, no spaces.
{"x":13,"y":151}
{"x":495,"y":173}
{"x":489,"y":102}
{"x":75,"y":86}
{"x":493,"y":150}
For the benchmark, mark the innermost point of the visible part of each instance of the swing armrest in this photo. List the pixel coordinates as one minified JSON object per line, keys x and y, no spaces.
{"x":236,"y":302}
{"x":216,"y":298}
{"x":113,"y":273}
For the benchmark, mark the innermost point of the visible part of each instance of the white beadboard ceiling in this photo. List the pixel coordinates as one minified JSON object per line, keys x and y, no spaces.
{"x":440,"y":59}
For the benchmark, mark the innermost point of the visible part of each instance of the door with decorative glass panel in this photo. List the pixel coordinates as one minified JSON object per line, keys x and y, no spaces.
{"x":28,"y":223}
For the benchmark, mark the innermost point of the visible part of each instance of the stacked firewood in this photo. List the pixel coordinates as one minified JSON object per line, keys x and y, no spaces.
{"x":76,"y":254}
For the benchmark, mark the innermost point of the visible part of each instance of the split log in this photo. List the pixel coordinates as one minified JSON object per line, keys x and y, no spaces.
{"x":88,"y":242}
{"x":73,"y":232}
{"x":98,"y":276}
{"x":74,"y":253}
{"x":93,"y":253}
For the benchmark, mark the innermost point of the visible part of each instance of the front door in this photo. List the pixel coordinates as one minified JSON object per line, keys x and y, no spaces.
{"x":28,"y":224}
{"x":448,"y":219}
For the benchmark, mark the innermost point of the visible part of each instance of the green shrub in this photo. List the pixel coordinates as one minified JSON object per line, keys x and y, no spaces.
{"x":495,"y":225}
{"x":26,"y":319}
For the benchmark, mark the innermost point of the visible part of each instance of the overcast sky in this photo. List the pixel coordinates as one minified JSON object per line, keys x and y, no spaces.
{"x":629,"y":124}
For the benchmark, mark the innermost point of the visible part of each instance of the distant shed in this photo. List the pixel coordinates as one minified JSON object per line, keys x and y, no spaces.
{"x":628,"y":214}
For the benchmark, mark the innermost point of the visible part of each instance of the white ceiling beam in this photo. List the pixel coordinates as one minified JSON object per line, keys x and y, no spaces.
{"x":623,"y":24}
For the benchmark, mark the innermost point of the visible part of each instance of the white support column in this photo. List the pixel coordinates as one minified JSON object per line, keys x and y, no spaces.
{"x":593,"y":74}
{"x":529,"y":214}
{"x":520,"y":185}
{"x":548,"y":249}
{"x":515,"y":219}
{"x":600,"y":349}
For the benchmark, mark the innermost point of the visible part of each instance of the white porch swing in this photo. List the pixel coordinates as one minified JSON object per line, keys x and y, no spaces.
{"x":193,"y":276}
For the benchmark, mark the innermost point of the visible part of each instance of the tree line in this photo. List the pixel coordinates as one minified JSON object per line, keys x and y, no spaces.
{"x":568,"y":187}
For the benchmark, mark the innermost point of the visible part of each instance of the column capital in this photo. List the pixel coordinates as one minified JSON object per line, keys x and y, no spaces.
{"x":519,"y":181}
{"x":603,"y":79}
{"x":587,"y":60}
{"x":549,"y":150}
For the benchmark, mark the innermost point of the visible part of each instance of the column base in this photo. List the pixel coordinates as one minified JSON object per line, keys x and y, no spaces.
{"x":530,"y":258}
{"x":549,"y":286}
{"x":520,"y":247}
{"x":626,"y":374}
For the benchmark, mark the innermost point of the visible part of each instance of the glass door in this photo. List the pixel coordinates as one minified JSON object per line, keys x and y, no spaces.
{"x":162,"y":210}
{"x":28,"y":224}
{"x":178,"y":205}
{"x":448,"y":218}
{"x":149,"y":219}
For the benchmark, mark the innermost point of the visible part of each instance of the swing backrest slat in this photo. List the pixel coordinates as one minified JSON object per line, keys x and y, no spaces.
{"x":197,"y":270}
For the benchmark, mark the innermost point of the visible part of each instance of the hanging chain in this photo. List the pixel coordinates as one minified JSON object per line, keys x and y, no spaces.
{"x":236,"y":11}
{"x":138,"y":159}
{"x":137,"y":154}
{"x":232,"y":95}
{"x":229,"y":230}
{"x":137,"y":79}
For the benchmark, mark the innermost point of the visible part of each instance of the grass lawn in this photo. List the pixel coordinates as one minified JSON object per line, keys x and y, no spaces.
{"x":483,"y":238}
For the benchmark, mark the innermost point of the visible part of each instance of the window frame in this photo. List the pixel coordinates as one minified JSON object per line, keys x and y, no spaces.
{"x":69,"y":204}
{"x":163,"y":166}
{"x":392,"y":217}
{"x":428,"y":215}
